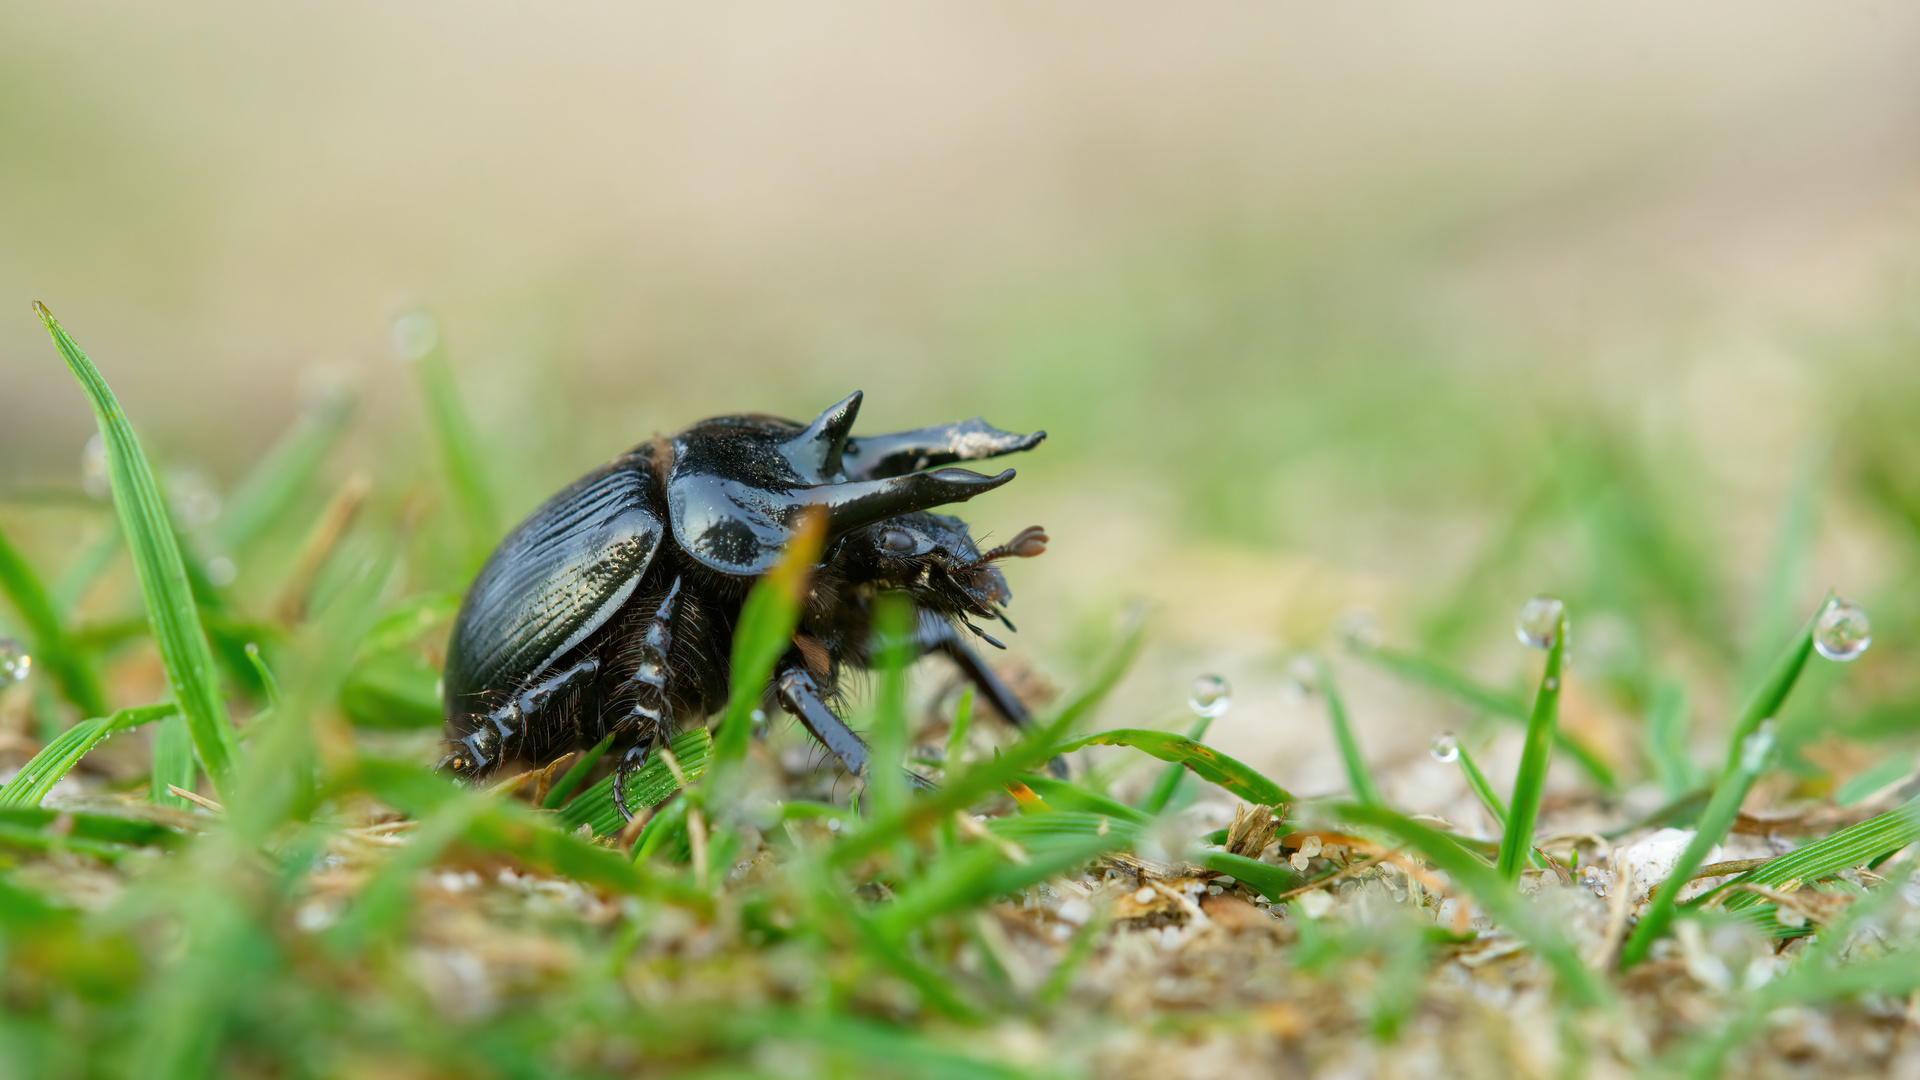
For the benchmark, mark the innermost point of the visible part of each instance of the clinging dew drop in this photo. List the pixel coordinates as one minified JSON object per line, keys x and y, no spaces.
{"x":1302,"y":678}
{"x":1538,"y":621}
{"x":1210,"y":697}
{"x":1446,"y":748}
{"x":1842,"y":631}
{"x":15,"y":664}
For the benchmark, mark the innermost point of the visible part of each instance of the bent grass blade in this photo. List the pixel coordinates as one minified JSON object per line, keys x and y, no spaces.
{"x":171,"y":612}
{"x":37,"y":777}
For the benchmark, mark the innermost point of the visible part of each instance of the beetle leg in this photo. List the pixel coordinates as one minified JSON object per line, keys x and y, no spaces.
{"x":630,"y":762}
{"x":651,"y":711}
{"x":509,"y":721}
{"x":937,"y":635}
{"x":799,"y":695}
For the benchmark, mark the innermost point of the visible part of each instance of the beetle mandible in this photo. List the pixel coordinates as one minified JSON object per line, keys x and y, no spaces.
{"x":610,"y":610}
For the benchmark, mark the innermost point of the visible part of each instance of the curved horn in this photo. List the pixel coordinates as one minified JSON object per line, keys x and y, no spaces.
{"x":872,"y":457}
{"x":862,"y":502}
{"x":815,"y":452}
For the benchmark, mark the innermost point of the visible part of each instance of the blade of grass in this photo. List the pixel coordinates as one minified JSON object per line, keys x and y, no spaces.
{"x":270,"y":488}
{"x":1359,"y":779}
{"x":1490,"y":890}
{"x":1744,"y":763}
{"x":1039,"y":744}
{"x":957,"y":736}
{"x":417,"y":339}
{"x":172,"y":764}
{"x":1793,"y":538}
{"x":1271,"y":881}
{"x":764,"y":634}
{"x":52,"y":648}
{"x":1856,"y":845}
{"x":1168,"y":782}
{"x":85,"y":569}
{"x":1667,"y":740}
{"x":55,"y":759}
{"x":163,"y":576}
{"x":576,"y":775}
{"x":1517,"y":839}
{"x":1483,"y":790}
{"x":892,"y":650}
{"x":648,"y":786}
{"x":1204,"y":761}
{"x":1436,"y":676}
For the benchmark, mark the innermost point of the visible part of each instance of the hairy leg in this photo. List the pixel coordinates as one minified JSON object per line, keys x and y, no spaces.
{"x":501,"y":730}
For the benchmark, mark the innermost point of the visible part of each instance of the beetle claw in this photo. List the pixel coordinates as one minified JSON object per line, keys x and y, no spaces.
{"x":635,"y":757}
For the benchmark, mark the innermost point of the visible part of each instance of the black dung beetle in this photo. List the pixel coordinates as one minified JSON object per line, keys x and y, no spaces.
{"x":611,"y":608}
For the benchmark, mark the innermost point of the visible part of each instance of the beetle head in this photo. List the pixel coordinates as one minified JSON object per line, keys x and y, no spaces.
{"x":934,"y":560}
{"x":738,"y":485}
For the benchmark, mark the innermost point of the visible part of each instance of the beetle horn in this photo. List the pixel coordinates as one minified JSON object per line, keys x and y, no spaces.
{"x":815,"y":452}
{"x":863,"y":502}
{"x":871,"y":457}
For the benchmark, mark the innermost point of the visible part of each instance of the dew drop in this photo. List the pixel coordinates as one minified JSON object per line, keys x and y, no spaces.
{"x":1842,"y":632}
{"x":221,"y":571}
{"x":1211,"y":697}
{"x":1359,"y":631}
{"x":195,"y":501}
{"x":1755,"y":748}
{"x":93,"y":469}
{"x":15,"y":664}
{"x":1302,"y":678}
{"x":1537,"y":622}
{"x":1446,"y":748}
{"x":414,"y":335}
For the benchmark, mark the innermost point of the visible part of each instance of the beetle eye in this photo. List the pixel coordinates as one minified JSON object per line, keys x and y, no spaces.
{"x":897,"y":541}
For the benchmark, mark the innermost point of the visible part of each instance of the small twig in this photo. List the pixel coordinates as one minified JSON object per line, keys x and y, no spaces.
{"x":334,"y":522}
{"x":631,"y":831}
{"x":1014,"y":852}
{"x":673,"y":766}
{"x":197,"y":799}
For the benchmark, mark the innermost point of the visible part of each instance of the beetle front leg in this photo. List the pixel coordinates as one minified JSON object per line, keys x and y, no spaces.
{"x":799,"y":695}
{"x":938,"y":635}
{"x":500,"y":729}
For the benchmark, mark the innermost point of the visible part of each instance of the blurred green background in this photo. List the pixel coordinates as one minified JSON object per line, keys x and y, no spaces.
{"x":1328,"y":309}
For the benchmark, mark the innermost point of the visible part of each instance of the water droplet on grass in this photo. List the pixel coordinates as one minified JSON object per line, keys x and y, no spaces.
{"x":93,"y":469}
{"x":1755,"y":747}
{"x":1842,"y":632}
{"x":1302,"y":678}
{"x":221,"y":571}
{"x":15,"y":664}
{"x":1359,"y":630}
{"x":1210,"y":697}
{"x":1446,"y":748}
{"x":1538,"y":621}
{"x":414,"y":335}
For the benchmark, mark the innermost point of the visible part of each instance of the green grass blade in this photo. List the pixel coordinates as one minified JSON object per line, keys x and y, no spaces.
{"x":1517,"y":839}
{"x":52,"y":648}
{"x":1270,"y":880}
{"x":1477,"y":780}
{"x":1856,"y":845}
{"x":270,"y":489}
{"x":418,"y":340}
{"x":1491,"y":891}
{"x":1067,"y":795}
{"x":1038,"y":745}
{"x":1204,"y":761}
{"x":1744,"y":764}
{"x":957,"y":735}
{"x":1667,"y":741}
{"x":55,"y":759}
{"x":1359,"y":779}
{"x":892,"y":650}
{"x":174,"y":619}
{"x":1437,"y":676}
{"x":172,"y":763}
{"x":764,"y":634}
{"x":1168,"y":782}
{"x":1799,"y":518}
{"x":576,"y":775}
{"x":648,"y":786}
{"x":85,"y":569}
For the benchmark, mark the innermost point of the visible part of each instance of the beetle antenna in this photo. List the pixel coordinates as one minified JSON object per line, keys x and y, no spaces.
{"x":1008,"y":623}
{"x":1027,"y":543}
